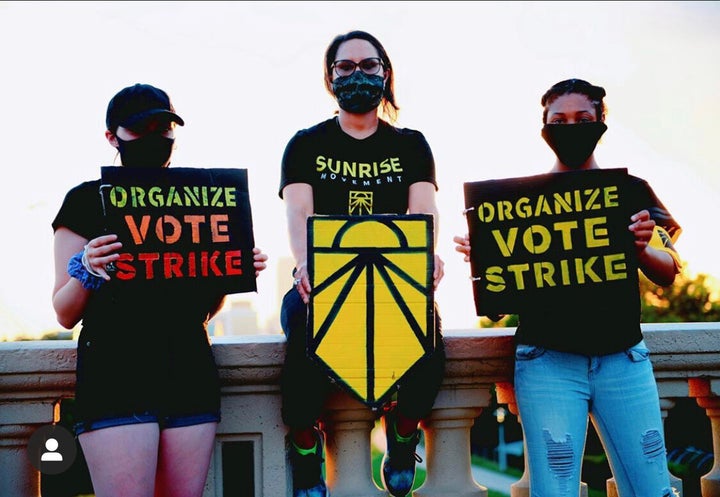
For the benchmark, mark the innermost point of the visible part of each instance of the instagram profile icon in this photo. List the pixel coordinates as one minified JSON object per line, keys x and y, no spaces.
{"x":51,"y":449}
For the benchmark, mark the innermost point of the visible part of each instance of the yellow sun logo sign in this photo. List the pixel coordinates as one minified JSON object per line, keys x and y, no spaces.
{"x":371,"y":314}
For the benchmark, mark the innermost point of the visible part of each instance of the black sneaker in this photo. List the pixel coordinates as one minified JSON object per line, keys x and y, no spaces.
{"x":398,"y":464}
{"x":307,"y":473}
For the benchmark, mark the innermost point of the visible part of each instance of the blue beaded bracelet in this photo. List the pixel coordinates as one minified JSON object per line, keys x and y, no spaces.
{"x":77,"y":270}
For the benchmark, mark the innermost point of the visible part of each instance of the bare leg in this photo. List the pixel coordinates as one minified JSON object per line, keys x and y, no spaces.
{"x":122,"y":459}
{"x":184,"y":460}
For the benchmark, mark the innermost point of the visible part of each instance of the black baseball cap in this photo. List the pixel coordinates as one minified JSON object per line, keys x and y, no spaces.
{"x":132,"y":105}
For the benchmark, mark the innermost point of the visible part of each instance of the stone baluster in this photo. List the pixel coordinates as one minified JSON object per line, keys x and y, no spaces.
{"x":20,"y":478}
{"x":347,"y":424}
{"x":505,"y":393}
{"x":447,"y":443}
{"x":665,"y":406}
{"x":705,"y":392}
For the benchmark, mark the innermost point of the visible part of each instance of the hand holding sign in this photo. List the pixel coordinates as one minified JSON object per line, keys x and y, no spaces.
{"x":463,"y":246}
{"x":101,"y":253}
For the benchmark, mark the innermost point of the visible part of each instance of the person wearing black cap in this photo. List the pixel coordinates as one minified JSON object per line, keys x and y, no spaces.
{"x":142,"y":110}
{"x":147,"y":399}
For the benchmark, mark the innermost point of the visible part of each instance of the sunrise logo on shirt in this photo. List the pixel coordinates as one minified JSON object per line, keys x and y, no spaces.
{"x":360,"y":203}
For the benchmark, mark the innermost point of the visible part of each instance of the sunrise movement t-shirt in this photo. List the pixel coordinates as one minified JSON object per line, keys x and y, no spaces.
{"x":358,"y":177}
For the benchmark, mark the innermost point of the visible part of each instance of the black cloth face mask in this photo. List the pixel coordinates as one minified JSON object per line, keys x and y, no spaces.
{"x":359,"y":93}
{"x":573,"y":143}
{"x":152,"y":150}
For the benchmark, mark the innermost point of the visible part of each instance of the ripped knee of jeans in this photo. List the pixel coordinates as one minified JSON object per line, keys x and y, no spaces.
{"x":652,"y":444}
{"x":560,"y":455}
{"x":654,"y":449}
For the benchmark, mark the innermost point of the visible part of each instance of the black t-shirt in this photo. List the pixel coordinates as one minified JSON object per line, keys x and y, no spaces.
{"x":117,"y":305}
{"x":597,"y":327}
{"x":359,"y":177}
{"x":139,"y":349}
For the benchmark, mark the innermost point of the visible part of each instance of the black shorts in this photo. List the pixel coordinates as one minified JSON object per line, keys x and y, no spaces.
{"x":166,"y":375}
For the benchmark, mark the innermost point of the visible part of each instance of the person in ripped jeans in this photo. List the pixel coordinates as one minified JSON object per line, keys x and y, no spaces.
{"x":575,"y":358}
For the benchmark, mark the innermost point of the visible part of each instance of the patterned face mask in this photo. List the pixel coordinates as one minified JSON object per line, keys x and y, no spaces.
{"x":573,"y":143}
{"x":359,"y":93}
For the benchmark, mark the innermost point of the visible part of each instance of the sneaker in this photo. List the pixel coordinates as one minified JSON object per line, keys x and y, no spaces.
{"x":398,"y":464}
{"x":307,"y":473}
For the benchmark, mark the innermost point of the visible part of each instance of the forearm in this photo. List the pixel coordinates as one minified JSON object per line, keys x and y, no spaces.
{"x":298,"y":207}
{"x":297,"y":216}
{"x":69,"y":303}
{"x":69,"y":297}
{"x":421,"y":200}
{"x":658,"y":266}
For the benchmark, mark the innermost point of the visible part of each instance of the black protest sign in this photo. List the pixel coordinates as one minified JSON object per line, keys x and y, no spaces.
{"x":541,"y":240}
{"x":181,"y":226}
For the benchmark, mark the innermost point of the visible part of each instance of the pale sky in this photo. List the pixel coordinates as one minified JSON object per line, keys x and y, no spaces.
{"x":245,"y":76}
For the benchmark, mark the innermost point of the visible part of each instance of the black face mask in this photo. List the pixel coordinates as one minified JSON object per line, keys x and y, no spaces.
{"x":152,"y":150}
{"x":573,"y":143}
{"x":359,"y":93}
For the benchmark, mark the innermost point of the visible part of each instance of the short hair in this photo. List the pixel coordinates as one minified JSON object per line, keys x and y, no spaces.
{"x":594,"y":93}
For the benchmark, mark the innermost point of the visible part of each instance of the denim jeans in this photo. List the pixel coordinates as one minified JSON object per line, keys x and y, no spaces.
{"x":557,"y":392}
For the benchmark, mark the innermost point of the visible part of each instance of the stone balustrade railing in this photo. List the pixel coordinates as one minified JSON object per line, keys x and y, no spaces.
{"x":35,"y":375}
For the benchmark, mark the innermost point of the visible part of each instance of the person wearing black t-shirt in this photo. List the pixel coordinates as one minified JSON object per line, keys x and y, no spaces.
{"x":355,"y":163}
{"x":577,"y":359}
{"x":147,"y":392}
